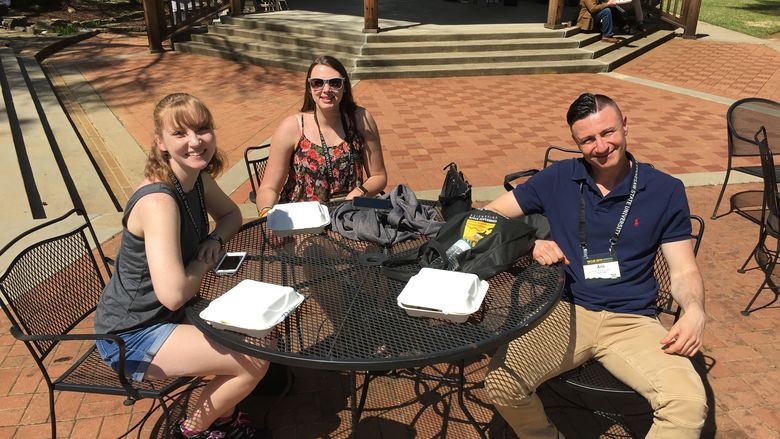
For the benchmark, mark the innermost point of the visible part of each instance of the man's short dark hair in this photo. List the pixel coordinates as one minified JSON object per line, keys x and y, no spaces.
{"x":587,"y":104}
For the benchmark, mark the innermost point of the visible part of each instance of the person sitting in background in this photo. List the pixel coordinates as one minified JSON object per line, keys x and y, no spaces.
{"x":165,"y":251}
{"x":593,"y":10}
{"x":639,"y":16}
{"x":321,"y":152}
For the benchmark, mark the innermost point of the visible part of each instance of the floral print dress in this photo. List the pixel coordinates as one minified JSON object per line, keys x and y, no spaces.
{"x":308,"y":179}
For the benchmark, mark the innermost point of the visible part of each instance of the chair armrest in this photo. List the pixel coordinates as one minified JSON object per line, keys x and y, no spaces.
{"x":509,"y":178}
{"x":131,"y":391}
{"x":64,"y":337}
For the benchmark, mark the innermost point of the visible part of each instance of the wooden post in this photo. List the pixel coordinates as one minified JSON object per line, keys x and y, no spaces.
{"x":370,"y":16}
{"x":555,"y":14}
{"x":691,"y":18}
{"x":153,"y":16}
{"x":236,"y":8}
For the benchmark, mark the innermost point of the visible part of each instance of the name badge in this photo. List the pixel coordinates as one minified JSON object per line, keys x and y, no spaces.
{"x":601,"y":267}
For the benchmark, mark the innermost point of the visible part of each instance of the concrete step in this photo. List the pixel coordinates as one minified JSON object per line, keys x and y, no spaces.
{"x":44,"y":191}
{"x":291,"y":25}
{"x":243,"y":44}
{"x":632,"y":48}
{"x":14,"y":183}
{"x":406,"y":71}
{"x":247,"y":45}
{"x":323,"y":44}
{"x":291,"y":39}
{"x":47,"y":170}
{"x":80,"y":166}
{"x":198,"y":48}
{"x":489,"y":43}
{"x":505,"y":56}
{"x":507,"y":68}
{"x":303,"y":25}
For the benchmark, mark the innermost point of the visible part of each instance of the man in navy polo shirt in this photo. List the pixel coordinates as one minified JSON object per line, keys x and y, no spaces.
{"x":608,"y":215}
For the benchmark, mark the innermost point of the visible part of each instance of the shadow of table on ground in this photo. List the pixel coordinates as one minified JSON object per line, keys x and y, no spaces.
{"x":400,"y":405}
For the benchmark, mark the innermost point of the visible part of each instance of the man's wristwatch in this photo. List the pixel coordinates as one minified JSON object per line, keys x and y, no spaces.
{"x":216,"y":237}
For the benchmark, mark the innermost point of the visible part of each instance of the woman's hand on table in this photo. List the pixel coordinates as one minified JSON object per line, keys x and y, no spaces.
{"x":355,"y":193}
{"x":209,"y":252}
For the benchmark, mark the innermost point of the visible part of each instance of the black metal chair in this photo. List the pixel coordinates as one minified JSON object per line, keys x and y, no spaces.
{"x":256,"y":159}
{"x":767,"y":256}
{"x":52,"y":284}
{"x":743,"y":118}
{"x":552,"y":154}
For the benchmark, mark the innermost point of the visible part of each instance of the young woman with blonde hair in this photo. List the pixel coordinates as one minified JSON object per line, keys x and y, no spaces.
{"x":166,"y":249}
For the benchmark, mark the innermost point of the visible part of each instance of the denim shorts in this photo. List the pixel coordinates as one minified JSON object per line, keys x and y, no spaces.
{"x":141,"y":345}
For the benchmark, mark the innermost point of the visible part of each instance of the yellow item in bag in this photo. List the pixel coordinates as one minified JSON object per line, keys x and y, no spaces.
{"x":478,"y":225}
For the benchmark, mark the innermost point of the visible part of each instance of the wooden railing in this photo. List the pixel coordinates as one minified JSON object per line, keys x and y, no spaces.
{"x":682,"y":13}
{"x":166,"y":18}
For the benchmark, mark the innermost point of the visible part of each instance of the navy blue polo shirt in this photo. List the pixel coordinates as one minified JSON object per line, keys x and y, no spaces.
{"x":658,"y":215}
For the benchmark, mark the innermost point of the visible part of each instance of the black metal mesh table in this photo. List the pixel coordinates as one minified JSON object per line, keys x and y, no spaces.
{"x":350,"y":319}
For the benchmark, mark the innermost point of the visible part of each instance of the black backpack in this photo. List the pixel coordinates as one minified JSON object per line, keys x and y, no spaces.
{"x":509,"y":240}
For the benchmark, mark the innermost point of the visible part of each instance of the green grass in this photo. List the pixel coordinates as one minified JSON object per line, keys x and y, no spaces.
{"x":759,"y":18}
{"x":66,"y":29}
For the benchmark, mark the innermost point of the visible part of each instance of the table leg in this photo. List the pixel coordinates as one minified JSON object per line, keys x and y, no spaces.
{"x":461,"y":401}
{"x":459,"y":383}
{"x":355,"y":406}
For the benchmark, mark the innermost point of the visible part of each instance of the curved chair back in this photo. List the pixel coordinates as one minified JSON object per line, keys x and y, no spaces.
{"x":53,"y":284}
{"x":48,"y":288}
{"x":256,"y":159}
{"x":770,"y":178}
{"x":743,"y":118}
{"x":556,"y":153}
{"x":746,"y":116}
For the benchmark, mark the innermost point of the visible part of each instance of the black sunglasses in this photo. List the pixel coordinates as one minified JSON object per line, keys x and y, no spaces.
{"x":334,"y":83}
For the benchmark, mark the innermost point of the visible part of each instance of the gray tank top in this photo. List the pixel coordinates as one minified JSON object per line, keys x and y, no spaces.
{"x":128,"y":302}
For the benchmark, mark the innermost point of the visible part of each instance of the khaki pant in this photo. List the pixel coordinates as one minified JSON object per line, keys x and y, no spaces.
{"x":627,"y":345}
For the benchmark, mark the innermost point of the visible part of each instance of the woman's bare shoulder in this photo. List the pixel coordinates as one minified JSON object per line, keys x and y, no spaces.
{"x":288,"y":132}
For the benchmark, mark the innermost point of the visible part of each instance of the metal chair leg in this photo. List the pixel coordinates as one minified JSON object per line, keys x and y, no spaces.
{"x":720,"y":196}
{"x":746,"y":311}
{"x":750,"y":256}
{"x":53,"y":416}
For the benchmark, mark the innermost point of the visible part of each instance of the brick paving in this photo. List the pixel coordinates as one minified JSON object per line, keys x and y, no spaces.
{"x":489,"y":126}
{"x":726,"y":69}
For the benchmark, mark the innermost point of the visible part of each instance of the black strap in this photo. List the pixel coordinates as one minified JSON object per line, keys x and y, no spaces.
{"x":186,"y":204}
{"x":392,"y":267}
{"x":326,"y":152}
{"x":615,"y":236}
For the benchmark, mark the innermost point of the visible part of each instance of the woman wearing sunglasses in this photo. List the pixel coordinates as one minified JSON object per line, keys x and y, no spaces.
{"x":323,"y":151}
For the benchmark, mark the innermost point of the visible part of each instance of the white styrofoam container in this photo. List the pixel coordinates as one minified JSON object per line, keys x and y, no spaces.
{"x":306,"y":217}
{"x":252,"y":308}
{"x":442,"y":294}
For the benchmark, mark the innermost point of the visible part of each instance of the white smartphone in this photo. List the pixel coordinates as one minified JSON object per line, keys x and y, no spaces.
{"x":230,"y":263}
